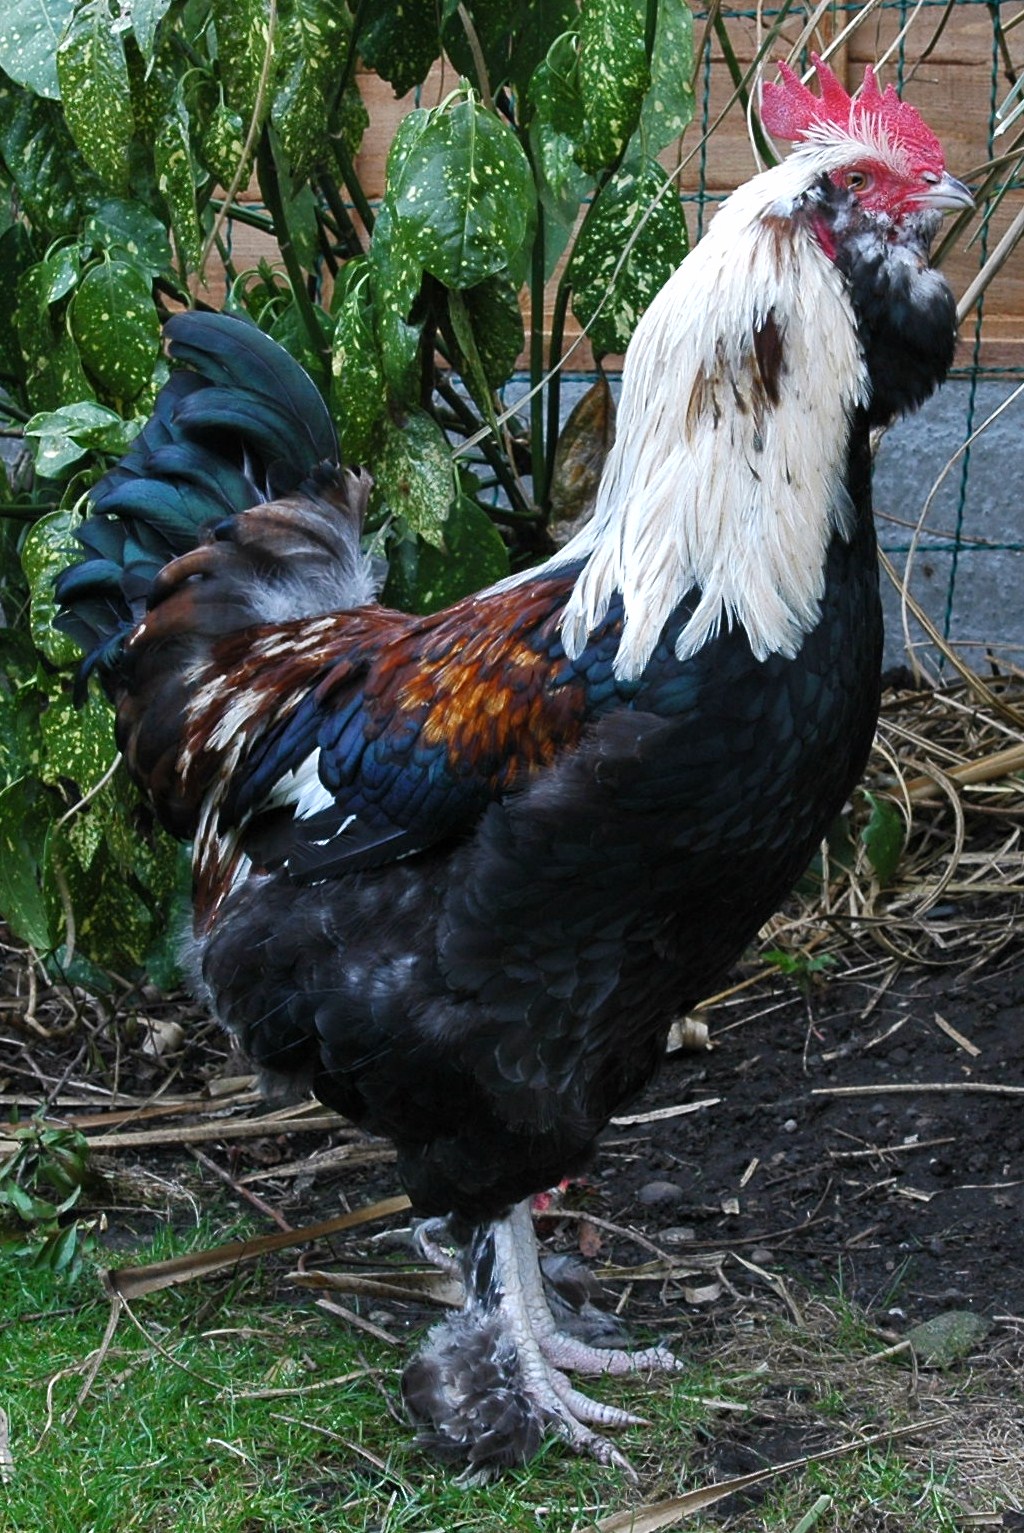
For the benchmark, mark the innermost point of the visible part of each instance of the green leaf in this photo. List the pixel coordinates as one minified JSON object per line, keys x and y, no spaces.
{"x":29,"y":33}
{"x":54,"y":182}
{"x":312,"y":38}
{"x":493,"y":23}
{"x":115,"y":325}
{"x":541,"y":24}
{"x":172,"y":156}
{"x":556,"y":128}
{"x":497,"y":320}
{"x":21,"y":702}
{"x":222,"y":146}
{"x":351,"y":119}
{"x":50,"y":547}
{"x":612,"y":290}
{"x":25,"y":813}
{"x":358,"y":388}
{"x":15,"y":260}
{"x":399,"y":40}
{"x":66,"y":434}
{"x":414,"y":474}
{"x":146,"y":17}
{"x":669,"y":103}
{"x":398,"y":277}
{"x":243,"y":38}
{"x":463,"y":193}
{"x":883,"y":837}
{"x":78,"y":743}
{"x":61,"y":267}
{"x":130,"y":229}
{"x":425,"y":578}
{"x":95,"y":90}
{"x":614,"y":77}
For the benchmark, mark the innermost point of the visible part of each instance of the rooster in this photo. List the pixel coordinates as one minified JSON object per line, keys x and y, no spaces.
{"x":457,"y":873}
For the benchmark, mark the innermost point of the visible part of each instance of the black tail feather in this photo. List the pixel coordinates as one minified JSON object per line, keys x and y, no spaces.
{"x":246,"y":426}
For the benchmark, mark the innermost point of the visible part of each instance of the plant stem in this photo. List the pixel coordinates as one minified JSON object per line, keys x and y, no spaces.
{"x":562,"y":297}
{"x":537,"y":455}
{"x":346,"y":228}
{"x":764,"y":149}
{"x":489,"y":448}
{"x":270,"y":187}
{"x":351,"y":180}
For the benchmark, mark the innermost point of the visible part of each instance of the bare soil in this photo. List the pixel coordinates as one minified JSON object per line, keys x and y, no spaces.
{"x":865,"y":1142}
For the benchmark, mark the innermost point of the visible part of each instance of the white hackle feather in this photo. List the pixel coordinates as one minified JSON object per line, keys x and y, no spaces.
{"x":708,"y":485}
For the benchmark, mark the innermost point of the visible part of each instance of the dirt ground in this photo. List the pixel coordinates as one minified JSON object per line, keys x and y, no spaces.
{"x":906,"y":1196}
{"x":865,"y":1142}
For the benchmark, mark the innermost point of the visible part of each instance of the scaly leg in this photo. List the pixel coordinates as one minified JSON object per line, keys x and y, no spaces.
{"x":488,"y":1382}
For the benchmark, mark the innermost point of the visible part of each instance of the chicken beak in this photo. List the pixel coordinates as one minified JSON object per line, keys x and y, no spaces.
{"x":946,"y":195}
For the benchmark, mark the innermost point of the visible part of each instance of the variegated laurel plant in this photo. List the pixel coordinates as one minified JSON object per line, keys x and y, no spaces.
{"x":128,"y":128}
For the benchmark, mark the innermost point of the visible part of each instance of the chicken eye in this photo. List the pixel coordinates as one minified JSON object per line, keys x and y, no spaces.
{"x":857,"y":180}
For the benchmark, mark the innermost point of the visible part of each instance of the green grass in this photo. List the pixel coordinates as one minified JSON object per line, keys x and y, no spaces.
{"x":170,"y":1439}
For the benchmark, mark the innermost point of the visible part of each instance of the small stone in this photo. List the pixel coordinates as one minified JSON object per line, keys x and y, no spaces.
{"x":654,"y":1193}
{"x":939,"y":1342}
{"x":790,"y":1126}
{"x":678,"y":1235}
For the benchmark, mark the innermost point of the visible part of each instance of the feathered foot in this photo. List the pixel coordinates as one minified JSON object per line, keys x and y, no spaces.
{"x":488,"y":1382}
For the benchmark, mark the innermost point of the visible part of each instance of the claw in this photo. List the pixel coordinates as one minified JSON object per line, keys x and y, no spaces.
{"x":488,"y":1383}
{"x":566,"y":1352}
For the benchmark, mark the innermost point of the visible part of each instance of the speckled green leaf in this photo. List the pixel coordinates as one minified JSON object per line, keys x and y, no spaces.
{"x":493,"y":23}
{"x":172,"y":157}
{"x":50,"y":547}
{"x":54,"y":183}
{"x":78,"y":743}
{"x":116,"y":328}
{"x":222,"y":146}
{"x":32,"y":315}
{"x":66,"y":434}
{"x":668,"y":105}
{"x":29,"y":33}
{"x":61,"y":267}
{"x":95,"y":90}
{"x":15,"y":259}
{"x":513,"y":35}
{"x":464,"y":194}
{"x":60,"y":376}
{"x":611,"y":301}
{"x":146,"y":17}
{"x":113,"y":923}
{"x":242,"y":40}
{"x":399,"y":39}
{"x":312,"y":40}
{"x":358,"y":388}
{"x":424,"y":578}
{"x":497,"y":321}
{"x":129,"y":228}
{"x":614,"y":76}
{"x":21,"y":703}
{"x":25,"y":813}
{"x":414,"y":474}
{"x":398,"y":277}
{"x":351,"y":119}
{"x":555,"y":131}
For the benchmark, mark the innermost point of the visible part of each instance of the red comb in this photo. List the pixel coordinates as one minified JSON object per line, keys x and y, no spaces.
{"x":791,"y":111}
